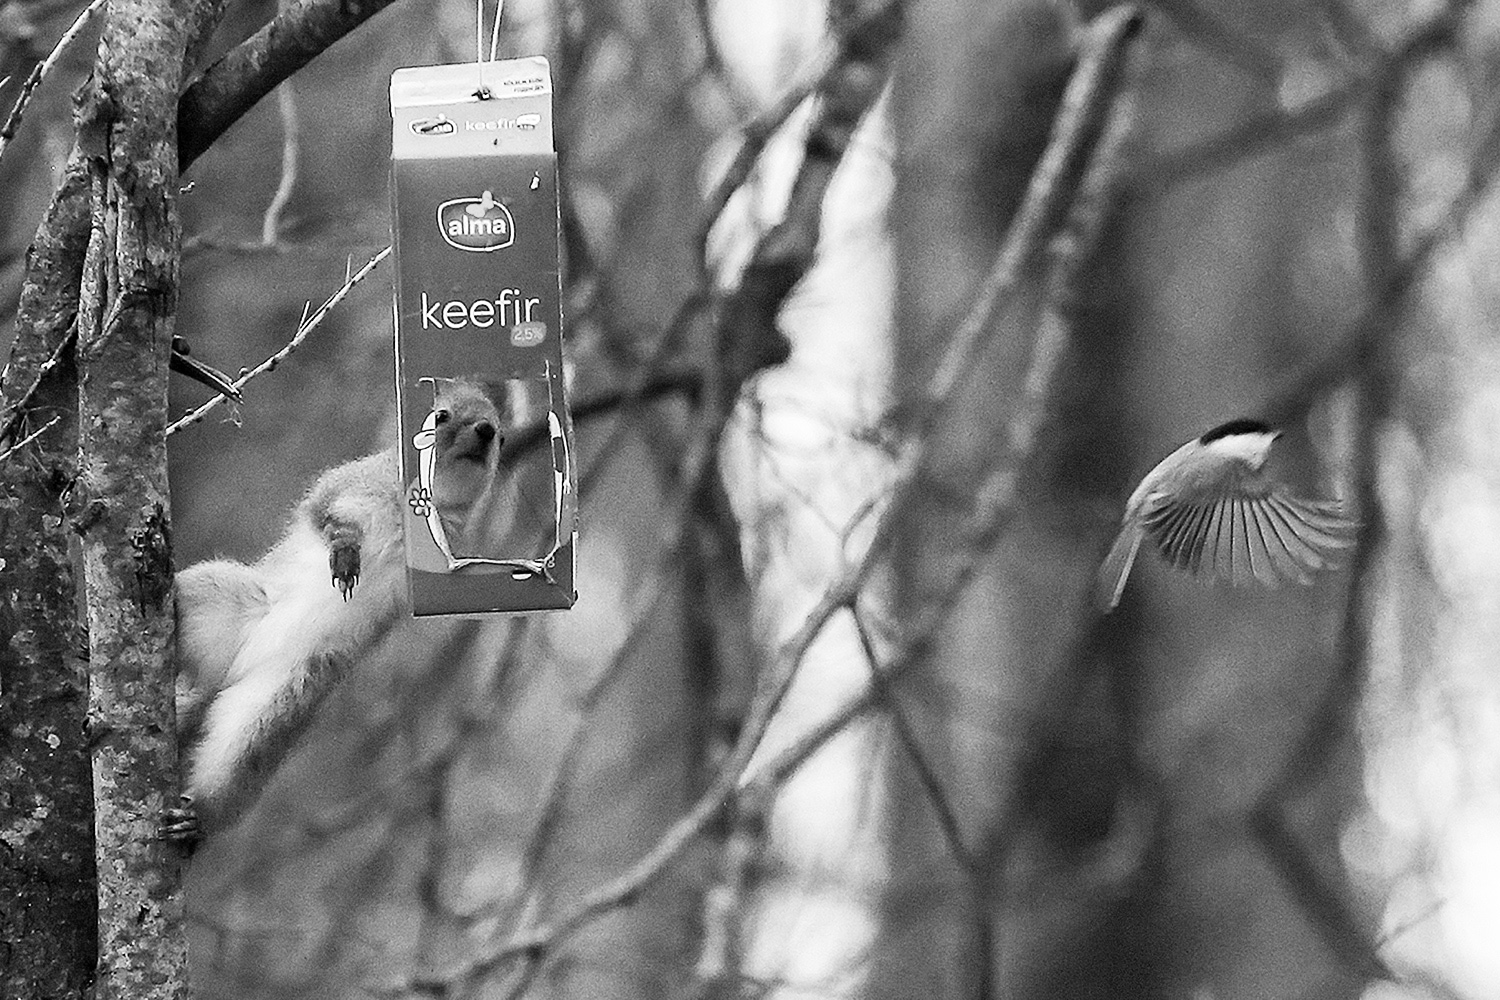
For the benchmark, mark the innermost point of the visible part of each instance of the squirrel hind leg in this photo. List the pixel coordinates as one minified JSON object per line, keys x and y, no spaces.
{"x":249,"y":729}
{"x":218,"y":603}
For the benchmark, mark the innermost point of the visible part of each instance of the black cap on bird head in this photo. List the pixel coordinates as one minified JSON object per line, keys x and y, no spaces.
{"x":1243,"y":425}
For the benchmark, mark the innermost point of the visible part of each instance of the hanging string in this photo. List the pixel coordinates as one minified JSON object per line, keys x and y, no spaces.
{"x":495,"y":34}
{"x":483,"y":93}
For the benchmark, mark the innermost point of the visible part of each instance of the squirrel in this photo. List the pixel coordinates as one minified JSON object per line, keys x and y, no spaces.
{"x":259,"y":645}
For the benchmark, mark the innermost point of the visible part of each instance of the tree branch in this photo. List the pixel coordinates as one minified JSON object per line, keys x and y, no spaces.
{"x":40,"y":71}
{"x":223,"y":93}
{"x":252,"y":69}
{"x":311,"y":318}
{"x":1350,"y":349}
{"x":1264,"y":132}
{"x":1206,"y":28}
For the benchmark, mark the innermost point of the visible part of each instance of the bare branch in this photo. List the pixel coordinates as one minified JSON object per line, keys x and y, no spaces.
{"x":40,"y":71}
{"x":4,"y":455}
{"x":1105,"y":173}
{"x":1207,"y":29}
{"x":286,"y":106}
{"x":1363,"y":354}
{"x":1085,"y":101}
{"x":906,"y":735}
{"x":703,"y":299}
{"x":18,"y":410}
{"x":213,"y":243}
{"x":1260,"y":134}
{"x":1331,"y":913}
{"x":224,"y":92}
{"x":1352,"y":346}
{"x":755,"y":134}
{"x":252,"y":69}
{"x":1265,"y":132}
{"x":748,"y":340}
{"x":311,"y":318}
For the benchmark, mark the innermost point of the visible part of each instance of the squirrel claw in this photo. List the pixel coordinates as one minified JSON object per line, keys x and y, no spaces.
{"x":343,"y":560}
{"x":180,"y":825}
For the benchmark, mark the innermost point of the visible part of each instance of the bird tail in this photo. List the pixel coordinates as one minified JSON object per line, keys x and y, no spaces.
{"x":1116,"y":568}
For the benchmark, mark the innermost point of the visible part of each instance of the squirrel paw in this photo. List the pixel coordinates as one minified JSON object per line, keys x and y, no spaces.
{"x":180,"y":825}
{"x":343,"y":562}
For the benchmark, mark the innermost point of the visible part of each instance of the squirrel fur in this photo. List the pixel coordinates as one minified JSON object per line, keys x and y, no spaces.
{"x":260,"y":644}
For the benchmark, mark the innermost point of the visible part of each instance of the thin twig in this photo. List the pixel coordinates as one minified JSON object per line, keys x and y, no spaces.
{"x":309,"y":323}
{"x":755,"y":134}
{"x":747,"y":338}
{"x":1271,"y":130}
{"x":286,"y":106}
{"x":1329,"y":910}
{"x":40,"y":71}
{"x":906,"y":735}
{"x":29,"y":438}
{"x":971,"y":866}
{"x":18,"y":411}
{"x":702,"y":298}
{"x":206,"y":243}
{"x":1086,"y":97}
{"x":1212,"y":32}
{"x":1350,"y":348}
{"x":1260,"y":134}
{"x":1365,"y":355}
{"x":549,"y":815}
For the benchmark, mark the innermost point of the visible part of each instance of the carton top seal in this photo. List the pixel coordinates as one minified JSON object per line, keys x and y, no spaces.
{"x":458,"y":83}
{"x":472,"y":109}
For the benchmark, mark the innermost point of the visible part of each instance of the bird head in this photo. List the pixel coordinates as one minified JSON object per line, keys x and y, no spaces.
{"x":1247,"y":440}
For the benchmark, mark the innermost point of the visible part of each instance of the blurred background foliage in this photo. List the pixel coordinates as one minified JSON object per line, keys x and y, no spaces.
{"x":1209,"y":795}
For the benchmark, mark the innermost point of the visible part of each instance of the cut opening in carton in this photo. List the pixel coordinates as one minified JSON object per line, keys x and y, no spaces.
{"x":491,"y":485}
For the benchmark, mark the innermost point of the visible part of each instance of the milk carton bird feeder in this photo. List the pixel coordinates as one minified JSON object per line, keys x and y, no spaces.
{"x":477,"y":230}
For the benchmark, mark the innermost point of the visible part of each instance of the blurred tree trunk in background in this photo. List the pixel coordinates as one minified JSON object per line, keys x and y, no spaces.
{"x":976,"y":93}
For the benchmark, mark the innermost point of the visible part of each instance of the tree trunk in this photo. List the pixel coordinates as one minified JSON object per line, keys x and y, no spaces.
{"x":126,"y":310}
{"x":47,"y":911}
{"x":976,"y":92}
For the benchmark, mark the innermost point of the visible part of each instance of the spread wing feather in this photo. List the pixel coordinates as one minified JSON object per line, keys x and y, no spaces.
{"x":1249,"y":534}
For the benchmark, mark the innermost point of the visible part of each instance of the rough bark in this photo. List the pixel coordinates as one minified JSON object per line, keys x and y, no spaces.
{"x":115,"y":204}
{"x":47,"y":874}
{"x":251,"y":70}
{"x":127,"y":303}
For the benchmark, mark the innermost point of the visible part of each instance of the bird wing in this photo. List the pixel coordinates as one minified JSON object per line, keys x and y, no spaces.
{"x":1249,"y":530}
{"x":1116,"y":568}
